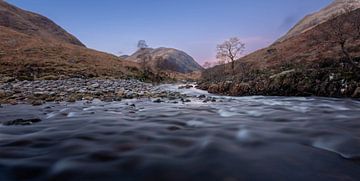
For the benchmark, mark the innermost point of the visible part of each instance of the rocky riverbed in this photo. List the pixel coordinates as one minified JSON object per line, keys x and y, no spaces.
{"x":72,"y":90}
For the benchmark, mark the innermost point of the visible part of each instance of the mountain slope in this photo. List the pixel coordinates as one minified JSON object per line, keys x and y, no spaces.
{"x":167,"y":59}
{"x":325,"y":14}
{"x":33,"y":24}
{"x":33,"y":47}
{"x":305,"y":64}
{"x":27,"y":57}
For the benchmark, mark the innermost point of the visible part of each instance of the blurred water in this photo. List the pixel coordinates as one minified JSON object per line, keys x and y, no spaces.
{"x":246,"y":138}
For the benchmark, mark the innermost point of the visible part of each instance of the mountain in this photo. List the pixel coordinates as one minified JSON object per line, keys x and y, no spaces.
{"x":33,"y":24}
{"x":168,"y":59}
{"x":308,"y":63}
{"x":325,"y":14}
{"x":34,"y":47}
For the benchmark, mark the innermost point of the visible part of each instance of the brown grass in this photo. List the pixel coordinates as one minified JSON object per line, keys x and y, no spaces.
{"x":23,"y":55}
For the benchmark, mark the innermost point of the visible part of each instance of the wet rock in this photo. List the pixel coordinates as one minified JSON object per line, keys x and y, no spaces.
{"x":185,"y":100}
{"x":209,"y":99}
{"x":21,"y":122}
{"x":37,"y":102}
{"x":158,"y":101}
{"x":188,"y":86}
{"x":201,"y":96}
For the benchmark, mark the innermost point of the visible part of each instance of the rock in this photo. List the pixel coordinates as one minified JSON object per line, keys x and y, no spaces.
{"x":7,"y":79}
{"x":117,"y":99}
{"x":210,"y":99}
{"x":41,"y":94}
{"x":37,"y":102}
{"x":201,"y":96}
{"x":2,"y":94}
{"x":356,"y":93}
{"x":21,"y":122}
{"x":158,"y":101}
{"x":71,"y":99}
{"x":107,"y":99}
{"x":188,"y":86}
{"x":88,"y":98}
{"x":240,"y":89}
{"x":214,"y":88}
{"x":12,"y":102}
{"x":96,"y":85}
{"x":185,"y":100}
{"x":129,"y":95}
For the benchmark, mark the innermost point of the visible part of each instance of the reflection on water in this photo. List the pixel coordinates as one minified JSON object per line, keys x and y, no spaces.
{"x":248,"y":138}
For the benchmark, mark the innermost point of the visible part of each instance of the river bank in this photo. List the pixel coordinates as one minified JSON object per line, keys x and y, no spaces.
{"x":70,"y":90}
{"x":310,"y":80}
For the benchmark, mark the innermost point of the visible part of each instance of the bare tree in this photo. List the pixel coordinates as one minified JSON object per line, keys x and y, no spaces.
{"x":145,"y":58}
{"x":343,"y":28}
{"x":230,"y":51}
{"x":142,"y":44}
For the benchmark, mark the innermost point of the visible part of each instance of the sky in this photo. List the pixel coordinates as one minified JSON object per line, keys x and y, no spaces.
{"x":194,"y":26}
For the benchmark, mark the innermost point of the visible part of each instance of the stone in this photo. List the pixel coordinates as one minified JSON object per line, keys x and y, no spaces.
{"x":158,"y":101}
{"x":202,"y":96}
{"x":2,"y":94}
{"x":188,"y":86}
{"x":96,"y":85}
{"x":37,"y":102}
{"x":37,"y":94}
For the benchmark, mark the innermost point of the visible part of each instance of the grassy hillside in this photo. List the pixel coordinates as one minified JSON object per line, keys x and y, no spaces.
{"x":301,"y":65}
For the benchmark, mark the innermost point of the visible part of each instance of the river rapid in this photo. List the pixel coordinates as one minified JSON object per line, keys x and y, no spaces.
{"x":234,"y":138}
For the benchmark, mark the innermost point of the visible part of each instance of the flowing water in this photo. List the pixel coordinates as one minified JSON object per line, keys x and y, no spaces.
{"x":246,"y":138}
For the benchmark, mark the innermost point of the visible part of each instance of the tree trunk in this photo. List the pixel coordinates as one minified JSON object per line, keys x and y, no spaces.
{"x":233,"y":67}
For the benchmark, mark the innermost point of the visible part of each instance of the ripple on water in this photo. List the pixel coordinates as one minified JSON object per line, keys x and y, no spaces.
{"x":347,"y":147}
{"x":225,"y":113}
{"x":243,"y":138}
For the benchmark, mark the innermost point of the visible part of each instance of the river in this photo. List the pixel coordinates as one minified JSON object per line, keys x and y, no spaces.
{"x":234,"y":138}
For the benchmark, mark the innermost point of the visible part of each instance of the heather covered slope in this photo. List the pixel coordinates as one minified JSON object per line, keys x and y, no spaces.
{"x":33,"y":24}
{"x":33,"y":47}
{"x":26,"y":57}
{"x":301,"y":65}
